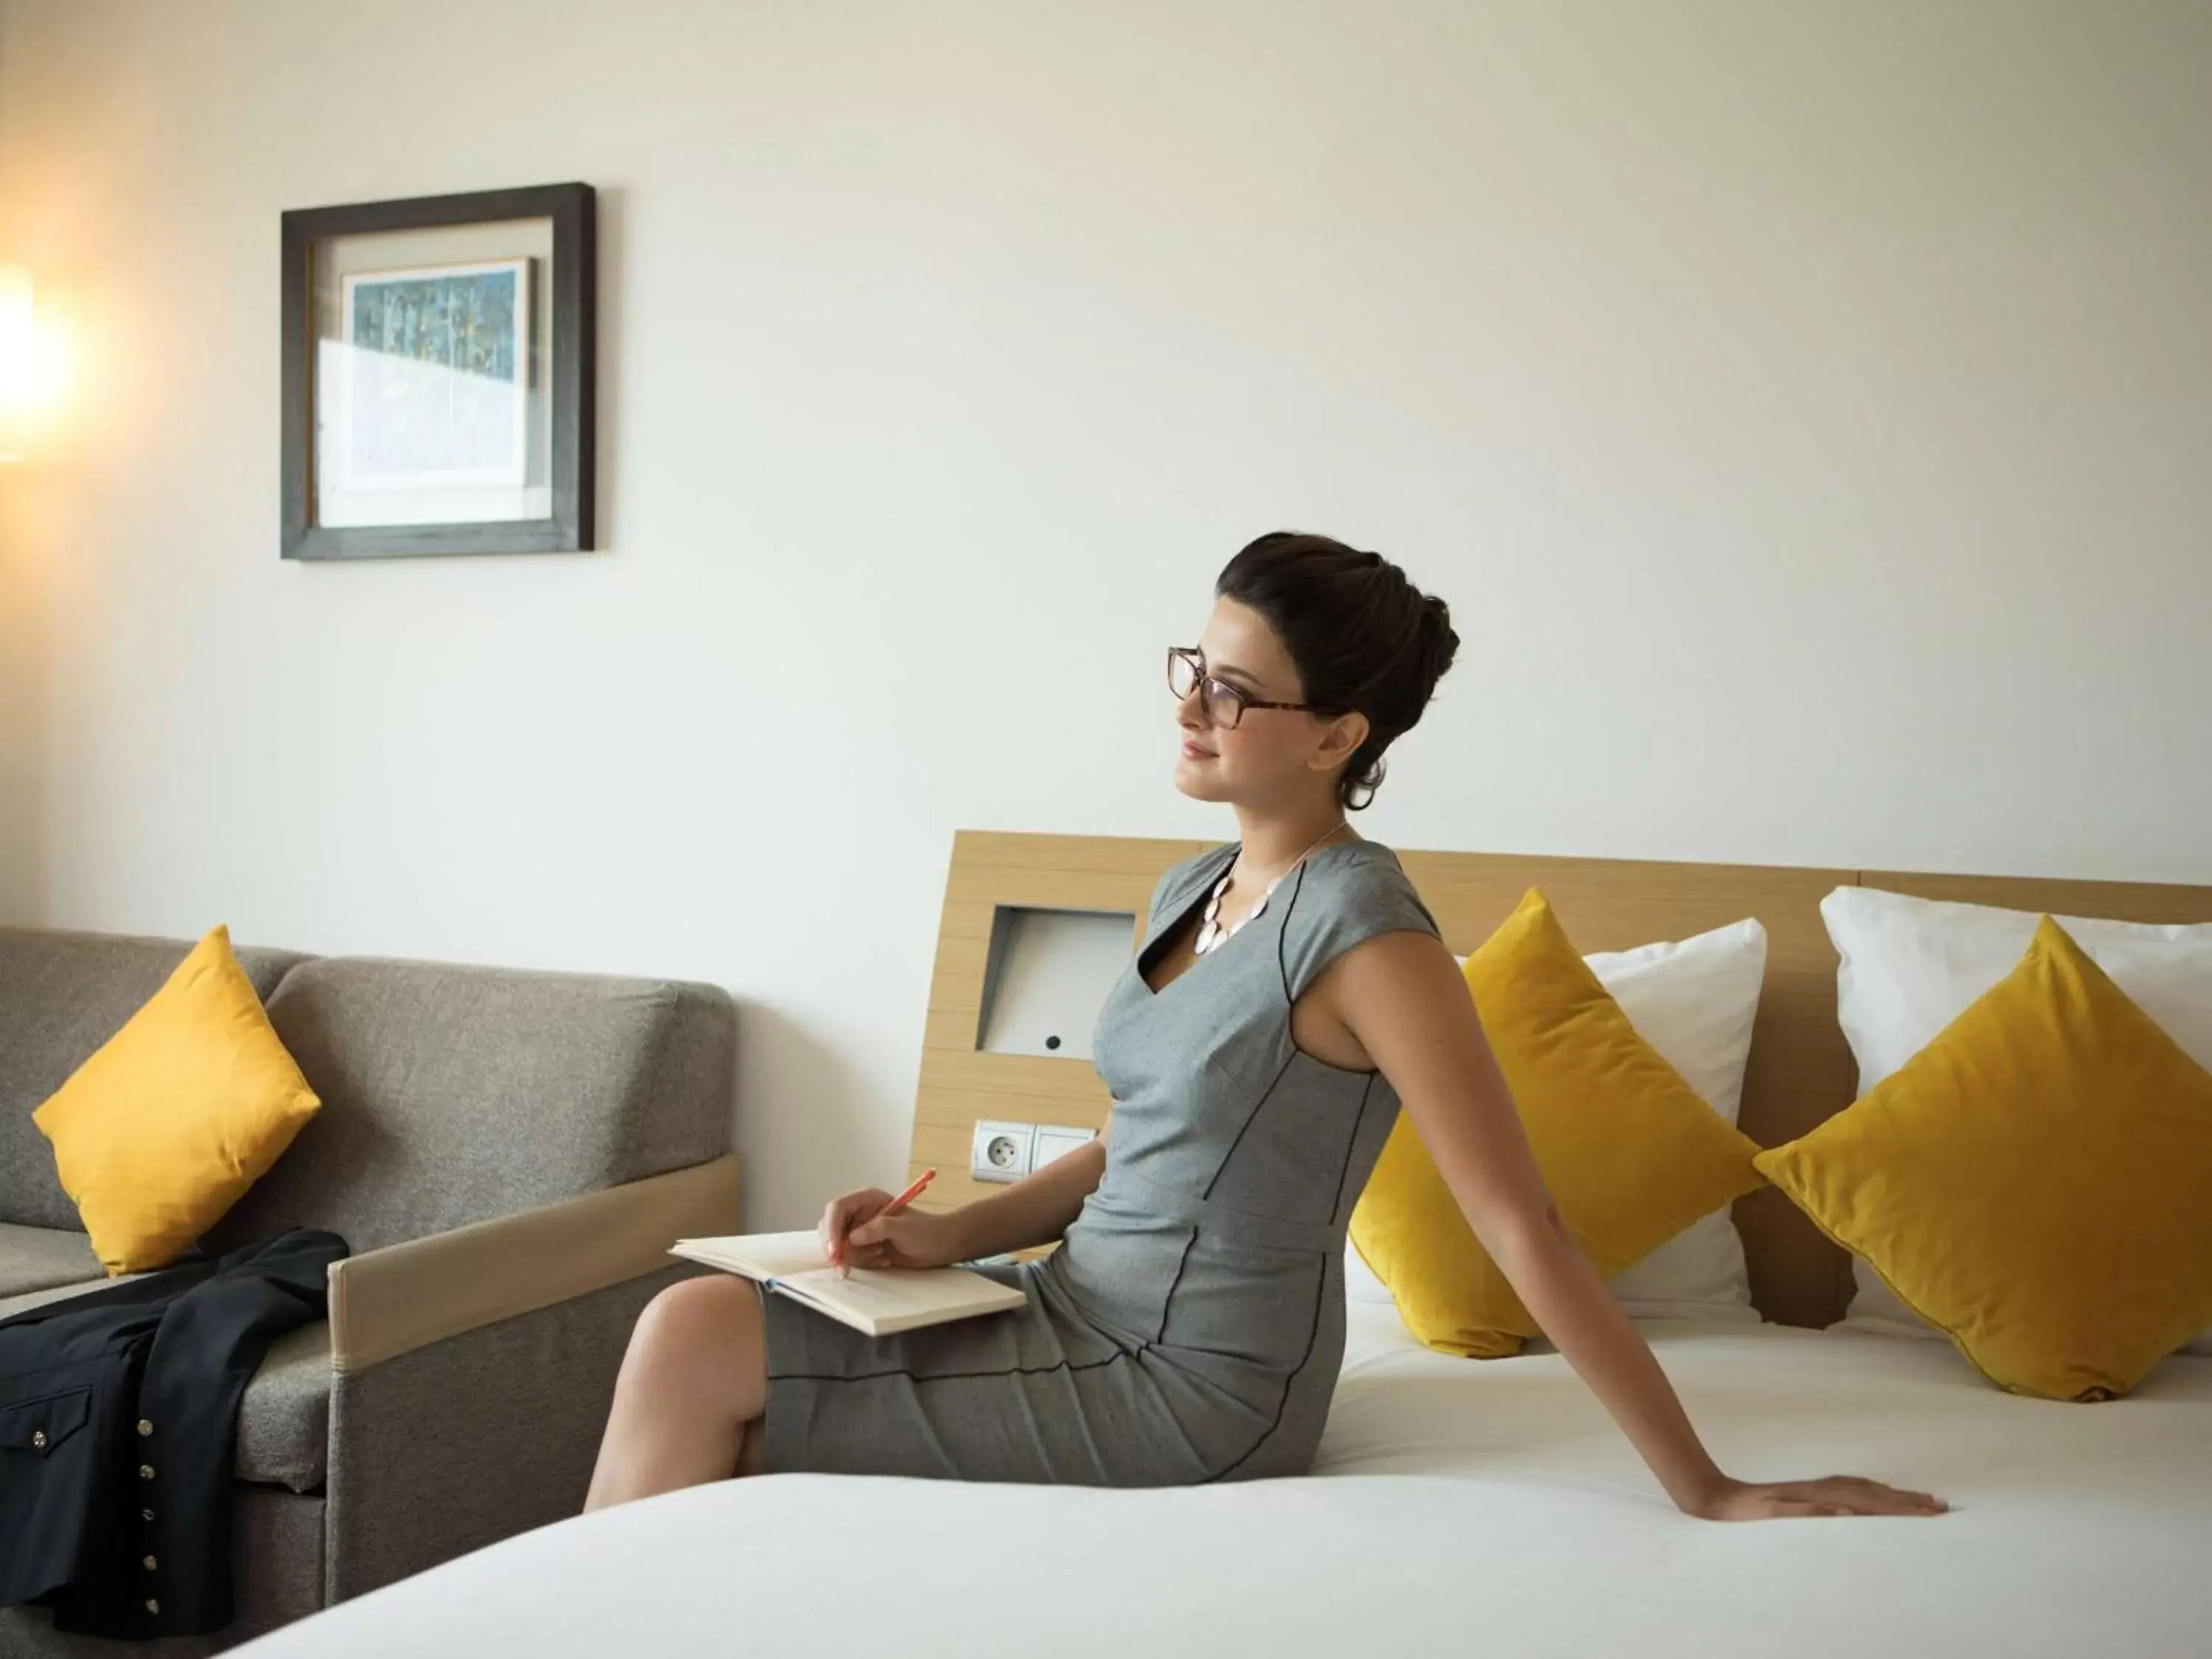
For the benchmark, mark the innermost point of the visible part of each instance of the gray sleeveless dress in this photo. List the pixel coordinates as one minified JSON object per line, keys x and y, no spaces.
{"x":1190,"y":1328}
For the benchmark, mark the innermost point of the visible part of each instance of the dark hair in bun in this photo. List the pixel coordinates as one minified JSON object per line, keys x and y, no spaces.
{"x":1365,"y":639}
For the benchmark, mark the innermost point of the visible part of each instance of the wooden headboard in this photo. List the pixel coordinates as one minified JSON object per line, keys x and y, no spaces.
{"x":1800,"y":1073}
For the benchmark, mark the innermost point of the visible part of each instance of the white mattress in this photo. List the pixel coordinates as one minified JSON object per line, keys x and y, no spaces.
{"x":1458,"y":1508}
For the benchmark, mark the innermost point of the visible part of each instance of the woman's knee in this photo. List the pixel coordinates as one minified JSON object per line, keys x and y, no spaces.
{"x":703,"y":1336}
{"x":712,"y":1321}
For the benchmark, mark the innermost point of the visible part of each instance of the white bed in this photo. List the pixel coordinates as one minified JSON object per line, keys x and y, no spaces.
{"x":1457,"y":1507}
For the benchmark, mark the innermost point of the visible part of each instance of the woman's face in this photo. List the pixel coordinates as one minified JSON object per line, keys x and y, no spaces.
{"x":1271,"y":756}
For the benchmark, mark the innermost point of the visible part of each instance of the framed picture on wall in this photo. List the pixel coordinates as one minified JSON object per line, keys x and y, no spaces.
{"x":438,"y":375}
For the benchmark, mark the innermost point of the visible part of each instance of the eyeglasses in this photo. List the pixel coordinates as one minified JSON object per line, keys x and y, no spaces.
{"x":1224,"y":703}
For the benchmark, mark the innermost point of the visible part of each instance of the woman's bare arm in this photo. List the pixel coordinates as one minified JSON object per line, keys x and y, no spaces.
{"x":1403,"y":999}
{"x":1037,"y":1209}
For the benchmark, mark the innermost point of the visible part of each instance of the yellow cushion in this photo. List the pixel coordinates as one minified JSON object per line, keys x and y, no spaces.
{"x":1629,"y":1153}
{"x":2036,"y":1181}
{"x":177,"y":1114}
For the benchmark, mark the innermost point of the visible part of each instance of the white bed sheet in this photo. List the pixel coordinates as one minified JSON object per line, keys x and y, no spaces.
{"x":1457,"y":1507}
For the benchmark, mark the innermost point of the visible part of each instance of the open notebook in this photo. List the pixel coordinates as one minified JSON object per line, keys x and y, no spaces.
{"x":875,"y":1300}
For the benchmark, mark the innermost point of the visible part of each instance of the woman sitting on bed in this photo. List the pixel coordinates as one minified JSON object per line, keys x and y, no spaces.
{"x":1290,"y":992}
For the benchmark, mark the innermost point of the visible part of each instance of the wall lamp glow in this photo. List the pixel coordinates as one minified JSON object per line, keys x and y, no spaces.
{"x":31,"y":366}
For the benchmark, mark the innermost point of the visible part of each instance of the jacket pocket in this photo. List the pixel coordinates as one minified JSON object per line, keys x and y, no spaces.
{"x":39,"y":1426}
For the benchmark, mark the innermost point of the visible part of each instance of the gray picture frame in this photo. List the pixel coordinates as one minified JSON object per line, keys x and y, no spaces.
{"x":571,"y":383}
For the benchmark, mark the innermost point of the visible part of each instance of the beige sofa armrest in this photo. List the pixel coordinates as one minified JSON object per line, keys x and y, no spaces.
{"x":389,"y":1302}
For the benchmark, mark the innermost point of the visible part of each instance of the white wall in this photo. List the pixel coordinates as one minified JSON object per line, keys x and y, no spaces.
{"x":1805,"y":410}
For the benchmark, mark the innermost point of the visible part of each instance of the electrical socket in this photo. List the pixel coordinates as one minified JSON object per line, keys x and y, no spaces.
{"x":1006,"y":1151}
{"x":1001,"y":1152}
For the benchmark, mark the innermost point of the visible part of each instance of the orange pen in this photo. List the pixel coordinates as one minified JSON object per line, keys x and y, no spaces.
{"x":844,"y":1269}
{"x":910,"y":1193}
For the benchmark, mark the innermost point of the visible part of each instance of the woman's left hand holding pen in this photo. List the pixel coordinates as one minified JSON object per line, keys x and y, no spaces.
{"x":873,"y":1228}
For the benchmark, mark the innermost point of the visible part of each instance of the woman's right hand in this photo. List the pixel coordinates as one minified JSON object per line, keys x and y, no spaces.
{"x":1837,"y":1494}
{"x":856,"y":1233}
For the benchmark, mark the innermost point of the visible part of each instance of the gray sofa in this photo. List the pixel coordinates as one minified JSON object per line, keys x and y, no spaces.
{"x":508,"y":1154}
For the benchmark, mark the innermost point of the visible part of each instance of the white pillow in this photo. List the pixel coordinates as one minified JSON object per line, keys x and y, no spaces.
{"x":1911,"y":966}
{"x":1360,"y":1284}
{"x":1694,"y":1000}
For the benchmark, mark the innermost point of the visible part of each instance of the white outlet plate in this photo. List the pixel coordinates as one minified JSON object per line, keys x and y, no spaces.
{"x":1053,"y":1141}
{"x":1000,"y":1151}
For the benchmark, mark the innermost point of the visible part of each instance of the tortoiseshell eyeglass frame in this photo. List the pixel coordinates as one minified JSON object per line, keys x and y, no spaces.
{"x":1185,"y":661}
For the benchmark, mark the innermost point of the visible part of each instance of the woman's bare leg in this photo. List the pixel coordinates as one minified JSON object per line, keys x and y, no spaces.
{"x":693,"y":1382}
{"x":752,"y":1455}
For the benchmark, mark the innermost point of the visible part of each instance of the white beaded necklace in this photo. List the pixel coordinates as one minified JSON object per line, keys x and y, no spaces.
{"x":1210,"y":933}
